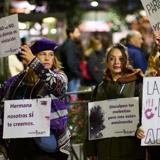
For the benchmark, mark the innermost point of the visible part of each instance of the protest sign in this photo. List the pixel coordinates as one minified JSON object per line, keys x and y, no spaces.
{"x":9,"y":35}
{"x":113,"y":118}
{"x":27,"y":118}
{"x":151,"y":111}
{"x":152,"y":8}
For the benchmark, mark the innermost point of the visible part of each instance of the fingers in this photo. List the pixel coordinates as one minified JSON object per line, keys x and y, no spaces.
{"x":140,"y":133}
{"x":25,"y":50}
{"x":26,"y":54}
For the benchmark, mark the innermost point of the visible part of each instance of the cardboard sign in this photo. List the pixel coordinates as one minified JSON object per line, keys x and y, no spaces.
{"x":9,"y":35}
{"x":151,"y":111}
{"x":27,"y":118}
{"x":113,"y":118}
{"x":152,"y":8}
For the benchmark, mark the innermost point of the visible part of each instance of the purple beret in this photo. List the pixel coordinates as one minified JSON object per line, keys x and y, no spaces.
{"x":42,"y":45}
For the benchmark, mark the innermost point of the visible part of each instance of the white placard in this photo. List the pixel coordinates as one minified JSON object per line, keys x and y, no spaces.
{"x":27,"y":118}
{"x":152,"y":8}
{"x":9,"y":35}
{"x":151,"y":111}
{"x":113,"y":118}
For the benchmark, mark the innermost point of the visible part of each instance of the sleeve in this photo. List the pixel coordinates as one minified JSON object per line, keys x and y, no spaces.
{"x":1,"y":122}
{"x":93,"y":69}
{"x":140,"y":62}
{"x":3,"y":90}
{"x":138,"y":93}
{"x":72,"y":60}
{"x":2,"y":94}
{"x":56,"y":80}
{"x":89,"y":146}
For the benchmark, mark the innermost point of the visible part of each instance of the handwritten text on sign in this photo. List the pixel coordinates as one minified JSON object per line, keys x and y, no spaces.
{"x":113,"y":118}
{"x":27,"y":118}
{"x":151,"y":111}
{"x":9,"y":35}
{"x":152,"y":8}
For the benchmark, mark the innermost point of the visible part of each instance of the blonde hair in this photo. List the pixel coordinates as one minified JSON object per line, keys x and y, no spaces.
{"x":153,"y":62}
{"x":57,"y":64}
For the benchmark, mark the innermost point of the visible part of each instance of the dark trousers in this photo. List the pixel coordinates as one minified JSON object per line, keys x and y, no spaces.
{"x":26,"y":149}
{"x":154,"y":152}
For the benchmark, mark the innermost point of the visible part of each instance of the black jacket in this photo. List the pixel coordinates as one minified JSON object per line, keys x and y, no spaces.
{"x":70,"y":57}
{"x":96,"y":66}
{"x":117,"y":148}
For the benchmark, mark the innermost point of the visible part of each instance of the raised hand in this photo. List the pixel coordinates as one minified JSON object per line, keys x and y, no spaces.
{"x":26,"y":54}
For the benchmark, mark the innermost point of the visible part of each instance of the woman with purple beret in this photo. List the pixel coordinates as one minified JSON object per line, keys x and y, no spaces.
{"x":41,"y":78}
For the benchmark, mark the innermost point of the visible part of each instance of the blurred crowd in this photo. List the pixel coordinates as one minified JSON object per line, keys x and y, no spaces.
{"x":99,"y":62}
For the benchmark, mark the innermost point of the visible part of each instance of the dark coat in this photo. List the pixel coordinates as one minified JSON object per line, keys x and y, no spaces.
{"x":96,"y":67}
{"x":70,"y":57}
{"x":137,"y":57}
{"x":116,"y":148}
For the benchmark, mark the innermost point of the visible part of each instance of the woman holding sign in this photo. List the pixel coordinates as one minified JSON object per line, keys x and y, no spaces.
{"x":41,"y":78}
{"x":120,"y":81}
{"x":153,"y":70}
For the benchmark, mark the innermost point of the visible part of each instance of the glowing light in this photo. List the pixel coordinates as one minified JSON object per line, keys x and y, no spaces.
{"x":34,"y":32}
{"x":94,"y":3}
{"x":49,"y":20}
{"x":93,"y":26}
{"x":37,"y":26}
{"x":22,"y":26}
{"x":21,"y":6}
{"x":45,"y":31}
{"x":53,"y":31}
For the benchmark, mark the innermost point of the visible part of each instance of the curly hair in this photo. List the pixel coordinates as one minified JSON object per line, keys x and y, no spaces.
{"x":153,"y":61}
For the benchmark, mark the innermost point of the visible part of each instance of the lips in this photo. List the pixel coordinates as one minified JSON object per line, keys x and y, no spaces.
{"x":116,"y":67}
{"x":46,"y":64}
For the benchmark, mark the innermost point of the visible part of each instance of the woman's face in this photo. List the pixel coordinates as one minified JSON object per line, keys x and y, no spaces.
{"x":47,"y":58}
{"x":115,"y":61}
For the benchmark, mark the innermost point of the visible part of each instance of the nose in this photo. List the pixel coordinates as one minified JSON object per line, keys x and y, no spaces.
{"x":47,"y":56}
{"x":117,"y":61}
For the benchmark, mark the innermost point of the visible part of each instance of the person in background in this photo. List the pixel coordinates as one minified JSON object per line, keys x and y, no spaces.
{"x":15,"y":66}
{"x":14,"y":62}
{"x":136,"y":55}
{"x":70,"y":54}
{"x":42,"y":77}
{"x":153,"y":70}
{"x":120,"y":81}
{"x":146,"y":30}
{"x":94,"y":57}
